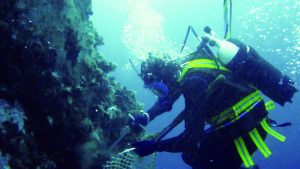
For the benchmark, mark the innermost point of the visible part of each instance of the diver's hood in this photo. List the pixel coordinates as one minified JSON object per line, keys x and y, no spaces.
{"x":159,"y":70}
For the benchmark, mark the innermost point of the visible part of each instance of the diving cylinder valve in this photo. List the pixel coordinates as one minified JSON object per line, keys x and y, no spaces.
{"x":226,"y":50}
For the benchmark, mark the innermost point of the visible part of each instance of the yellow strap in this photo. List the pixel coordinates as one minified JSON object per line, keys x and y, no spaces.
{"x":269,"y":105}
{"x":243,"y":152}
{"x":272,"y":132}
{"x":259,"y":142}
{"x":200,"y":63}
{"x":247,"y":101}
{"x":245,"y":105}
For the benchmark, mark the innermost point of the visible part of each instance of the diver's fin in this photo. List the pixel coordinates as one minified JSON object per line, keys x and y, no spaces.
{"x":273,"y":123}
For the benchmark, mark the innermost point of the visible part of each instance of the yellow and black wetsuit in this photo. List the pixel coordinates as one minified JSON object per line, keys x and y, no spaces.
{"x":234,"y":109}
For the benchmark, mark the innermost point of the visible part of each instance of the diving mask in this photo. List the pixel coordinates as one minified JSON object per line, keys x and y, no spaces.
{"x":159,"y":89}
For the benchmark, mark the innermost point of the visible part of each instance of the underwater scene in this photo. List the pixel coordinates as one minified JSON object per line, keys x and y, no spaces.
{"x":149,"y":84}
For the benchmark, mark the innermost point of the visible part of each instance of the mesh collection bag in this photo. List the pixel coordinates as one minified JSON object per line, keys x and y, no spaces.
{"x":128,"y":159}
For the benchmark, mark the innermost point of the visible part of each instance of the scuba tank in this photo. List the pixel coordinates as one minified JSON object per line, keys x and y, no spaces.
{"x":257,"y":71}
{"x":246,"y":64}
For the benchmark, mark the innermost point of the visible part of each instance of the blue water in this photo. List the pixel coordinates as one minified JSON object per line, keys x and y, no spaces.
{"x":132,"y":28}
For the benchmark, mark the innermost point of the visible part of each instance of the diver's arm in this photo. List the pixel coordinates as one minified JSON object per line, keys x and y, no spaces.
{"x":193,"y":87}
{"x":191,"y":138}
{"x":183,"y":142}
{"x":139,"y":121}
{"x":163,"y":105}
{"x":147,"y":147}
{"x":175,"y":144}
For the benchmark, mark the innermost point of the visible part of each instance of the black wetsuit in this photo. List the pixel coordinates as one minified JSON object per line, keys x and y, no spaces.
{"x":213,"y":150}
{"x":216,"y":149}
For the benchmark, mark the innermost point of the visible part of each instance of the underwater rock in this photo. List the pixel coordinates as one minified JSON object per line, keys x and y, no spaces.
{"x":112,"y":112}
{"x":71,"y":46}
{"x":4,"y":161}
{"x":13,"y":115}
{"x":50,"y":66}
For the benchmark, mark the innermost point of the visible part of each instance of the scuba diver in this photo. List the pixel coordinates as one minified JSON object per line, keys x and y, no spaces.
{"x":223,"y":92}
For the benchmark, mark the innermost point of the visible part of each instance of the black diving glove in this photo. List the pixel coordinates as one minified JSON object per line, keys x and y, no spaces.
{"x":138,"y":122}
{"x":145,"y":147}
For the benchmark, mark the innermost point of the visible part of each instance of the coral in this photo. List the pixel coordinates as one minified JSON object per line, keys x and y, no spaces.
{"x":4,"y":161}
{"x":12,"y":115}
{"x":50,"y":66}
{"x":112,"y":112}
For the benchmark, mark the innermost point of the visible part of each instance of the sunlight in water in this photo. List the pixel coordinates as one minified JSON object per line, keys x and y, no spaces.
{"x":276,"y":24}
{"x":144,"y":31}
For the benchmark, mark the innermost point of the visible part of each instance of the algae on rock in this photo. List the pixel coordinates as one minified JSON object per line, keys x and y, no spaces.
{"x":49,"y":64}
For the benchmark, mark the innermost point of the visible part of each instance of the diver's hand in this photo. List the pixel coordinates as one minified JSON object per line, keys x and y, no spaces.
{"x":145,"y":147}
{"x":138,"y":122}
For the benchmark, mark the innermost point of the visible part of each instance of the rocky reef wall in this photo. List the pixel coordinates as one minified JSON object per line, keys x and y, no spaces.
{"x":59,"y":107}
